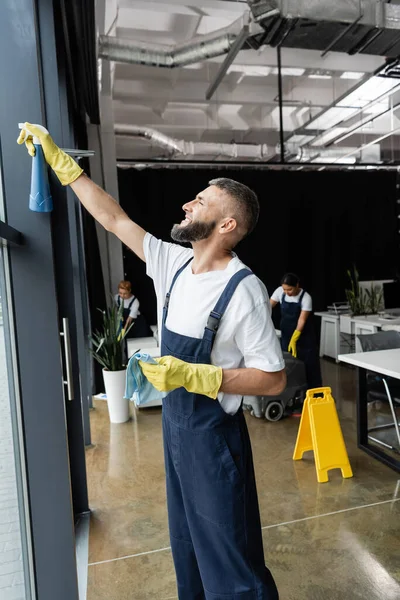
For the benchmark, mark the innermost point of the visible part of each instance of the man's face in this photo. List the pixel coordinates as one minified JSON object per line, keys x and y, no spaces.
{"x":201,"y":216}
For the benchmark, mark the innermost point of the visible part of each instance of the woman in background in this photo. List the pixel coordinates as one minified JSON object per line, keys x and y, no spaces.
{"x":297,"y":331}
{"x":131,"y":313}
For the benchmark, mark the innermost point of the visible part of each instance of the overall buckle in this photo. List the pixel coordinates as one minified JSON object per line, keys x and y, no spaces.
{"x":213,"y":321}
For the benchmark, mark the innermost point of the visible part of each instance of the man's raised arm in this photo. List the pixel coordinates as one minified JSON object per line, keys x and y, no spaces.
{"x":108,"y":213}
{"x":100,"y":204}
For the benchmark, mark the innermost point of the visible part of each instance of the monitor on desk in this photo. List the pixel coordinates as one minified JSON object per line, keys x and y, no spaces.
{"x":391,"y":297}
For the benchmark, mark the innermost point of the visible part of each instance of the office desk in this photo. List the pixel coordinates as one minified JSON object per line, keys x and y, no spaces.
{"x":384,"y":362}
{"x":371,"y":324}
{"x":332,"y":332}
{"x":332,"y":340}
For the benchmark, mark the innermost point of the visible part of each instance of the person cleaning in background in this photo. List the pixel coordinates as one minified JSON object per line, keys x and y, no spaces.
{"x":217,"y":343}
{"x":297,"y":331}
{"x":130,"y":303}
{"x":131,"y":312}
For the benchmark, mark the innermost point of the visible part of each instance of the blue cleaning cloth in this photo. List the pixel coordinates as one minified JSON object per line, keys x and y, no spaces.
{"x":138,"y":388}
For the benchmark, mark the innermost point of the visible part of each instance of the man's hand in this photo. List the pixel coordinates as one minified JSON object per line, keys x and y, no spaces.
{"x":171,"y":373}
{"x":66,"y":169}
{"x":100,"y":204}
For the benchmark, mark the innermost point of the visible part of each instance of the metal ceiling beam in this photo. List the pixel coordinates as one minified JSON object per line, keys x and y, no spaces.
{"x":353,"y":130}
{"x":363,"y":121}
{"x":229,"y":58}
{"x":365,"y":146}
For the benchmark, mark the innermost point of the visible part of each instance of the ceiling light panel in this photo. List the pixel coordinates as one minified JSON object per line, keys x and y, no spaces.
{"x":250,"y":70}
{"x":318,"y":76}
{"x":377,"y":108}
{"x":289,"y":71}
{"x":369,"y":91}
{"x":329,"y":135}
{"x":300,"y":139}
{"x":331,"y":117}
{"x":352,"y":75}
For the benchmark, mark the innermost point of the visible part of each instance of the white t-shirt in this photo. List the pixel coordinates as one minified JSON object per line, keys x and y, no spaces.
{"x":306,"y":303}
{"x":246,"y":336}
{"x":134,"y":310}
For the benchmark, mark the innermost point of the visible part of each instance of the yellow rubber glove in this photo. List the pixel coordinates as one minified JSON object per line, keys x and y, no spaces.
{"x":66,"y":169}
{"x":121,"y":335}
{"x":171,"y":373}
{"x":293,"y":342}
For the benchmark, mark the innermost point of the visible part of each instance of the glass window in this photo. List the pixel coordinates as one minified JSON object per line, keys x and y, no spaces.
{"x":15,"y":561}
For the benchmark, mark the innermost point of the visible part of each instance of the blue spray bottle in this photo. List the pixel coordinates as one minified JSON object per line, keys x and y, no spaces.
{"x":40,"y":199}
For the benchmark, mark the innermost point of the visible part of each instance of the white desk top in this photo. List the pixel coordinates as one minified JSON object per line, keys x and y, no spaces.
{"x":370,"y":319}
{"x":386,"y":362}
{"x":375,"y":320}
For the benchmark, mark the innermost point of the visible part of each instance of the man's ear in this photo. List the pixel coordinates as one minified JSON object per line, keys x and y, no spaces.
{"x":228,"y":225}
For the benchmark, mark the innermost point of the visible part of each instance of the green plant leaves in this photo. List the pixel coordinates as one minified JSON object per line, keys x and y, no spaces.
{"x":363,"y":301}
{"x":108,"y":342}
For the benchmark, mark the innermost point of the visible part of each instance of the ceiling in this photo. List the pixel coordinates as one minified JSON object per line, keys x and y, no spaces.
{"x":317,"y":109}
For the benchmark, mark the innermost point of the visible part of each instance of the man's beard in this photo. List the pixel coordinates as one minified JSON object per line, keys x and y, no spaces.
{"x":193,"y":232}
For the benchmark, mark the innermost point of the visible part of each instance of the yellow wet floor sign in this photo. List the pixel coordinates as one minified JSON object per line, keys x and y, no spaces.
{"x":320,"y":431}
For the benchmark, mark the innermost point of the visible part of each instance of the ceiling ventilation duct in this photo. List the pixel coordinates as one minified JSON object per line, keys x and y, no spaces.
{"x":293,"y":153}
{"x":199,"y":48}
{"x":351,"y":26}
{"x":183,"y":148}
{"x":338,"y":154}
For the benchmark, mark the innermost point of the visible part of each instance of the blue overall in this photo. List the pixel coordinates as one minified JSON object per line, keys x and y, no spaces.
{"x":212,"y":500}
{"x":140,"y":327}
{"x":307,"y":349}
{"x":125,"y":311}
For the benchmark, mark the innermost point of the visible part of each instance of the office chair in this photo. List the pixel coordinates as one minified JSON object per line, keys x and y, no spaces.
{"x":378,"y":385}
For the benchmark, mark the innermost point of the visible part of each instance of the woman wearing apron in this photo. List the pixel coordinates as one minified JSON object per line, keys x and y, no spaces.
{"x":297,"y":331}
{"x":131,"y":313}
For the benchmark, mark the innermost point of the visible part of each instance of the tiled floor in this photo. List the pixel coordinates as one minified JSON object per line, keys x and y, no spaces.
{"x":332,"y":541}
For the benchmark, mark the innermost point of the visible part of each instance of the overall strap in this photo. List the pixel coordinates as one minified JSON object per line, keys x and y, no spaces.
{"x":167,"y":297}
{"x":302,"y":296}
{"x":131,"y":302}
{"x":219,"y":309}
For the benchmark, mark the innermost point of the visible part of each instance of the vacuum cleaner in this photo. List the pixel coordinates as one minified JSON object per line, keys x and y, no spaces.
{"x":273,"y":408}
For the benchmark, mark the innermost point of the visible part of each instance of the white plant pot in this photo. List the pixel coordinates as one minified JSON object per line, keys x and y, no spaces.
{"x":118,"y":406}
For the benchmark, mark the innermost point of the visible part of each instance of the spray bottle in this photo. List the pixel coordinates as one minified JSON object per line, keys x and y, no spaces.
{"x":40,"y":199}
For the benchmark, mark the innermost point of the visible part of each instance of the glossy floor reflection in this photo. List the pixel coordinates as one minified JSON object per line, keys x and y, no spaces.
{"x":332,"y":541}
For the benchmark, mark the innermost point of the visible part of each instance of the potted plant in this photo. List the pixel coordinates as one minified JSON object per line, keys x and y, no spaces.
{"x":363,"y":302}
{"x":108,"y":348}
{"x":374,"y":299}
{"x":356,"y":296}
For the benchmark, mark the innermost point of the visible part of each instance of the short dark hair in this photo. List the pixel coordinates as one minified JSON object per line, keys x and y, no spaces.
{"x":246,"y":201}
{"x":290,"y":279}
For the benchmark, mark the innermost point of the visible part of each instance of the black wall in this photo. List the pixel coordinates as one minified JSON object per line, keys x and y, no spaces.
{"x":316,"y":224}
